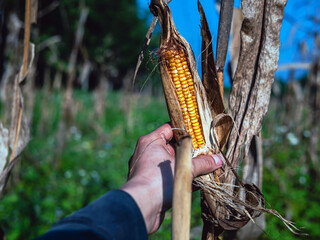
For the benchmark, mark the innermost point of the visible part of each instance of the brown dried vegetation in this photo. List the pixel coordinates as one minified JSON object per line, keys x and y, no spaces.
{"x":227,"y":204}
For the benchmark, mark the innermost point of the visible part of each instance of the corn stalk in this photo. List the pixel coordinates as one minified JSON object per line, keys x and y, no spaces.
{"x":225,"y":19}
{"x":15,"y":139}
{"x":181,"y":203}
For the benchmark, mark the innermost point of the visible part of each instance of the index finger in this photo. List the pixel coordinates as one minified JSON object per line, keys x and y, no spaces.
{"x":165,"y":131}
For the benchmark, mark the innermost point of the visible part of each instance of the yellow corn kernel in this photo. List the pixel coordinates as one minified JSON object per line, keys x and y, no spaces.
{"x":180,"y":74}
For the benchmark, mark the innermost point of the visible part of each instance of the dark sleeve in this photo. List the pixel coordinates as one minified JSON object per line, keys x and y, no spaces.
{"x":113,"y":216}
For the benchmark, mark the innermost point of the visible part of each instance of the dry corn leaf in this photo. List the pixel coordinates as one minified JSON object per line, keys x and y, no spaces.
{"x":19,"y":127}
{"x":210,"y":82}
{"x":253,"y":199}
{"x":19,"y":132}
{"x":222,"y":123}
{"x":250,"y":94}
{"x":225,"y":18}
{"x":258,"y":61}
{"x":249,"y":97}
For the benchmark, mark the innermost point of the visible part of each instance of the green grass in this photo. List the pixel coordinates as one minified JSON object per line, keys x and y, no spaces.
{"x":45,"y":186}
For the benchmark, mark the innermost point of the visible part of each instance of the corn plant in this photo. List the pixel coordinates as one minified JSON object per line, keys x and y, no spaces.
{"x":14,"y":139}
{"x":196,"y":107}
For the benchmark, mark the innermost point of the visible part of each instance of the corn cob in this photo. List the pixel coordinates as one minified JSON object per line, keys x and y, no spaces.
{"x":180,"y":74}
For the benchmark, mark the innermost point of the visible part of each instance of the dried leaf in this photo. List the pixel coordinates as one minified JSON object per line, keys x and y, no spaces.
{"x":253,"y":198}
{"x":250,"y":94}
{"x":211,"y":84}
{"x":225,"y":19}
{"x":235,"y":42}
{"x":209,"y":74}
{"x":19,"y":127}
{"x":224,"y":207}
{"x":248,"y":104}
{"x":4,"y":176}
{"x":253,"y":164}
{"x":222,"y":124}
{"x":249,"y":99}
{"x":19,"y":132}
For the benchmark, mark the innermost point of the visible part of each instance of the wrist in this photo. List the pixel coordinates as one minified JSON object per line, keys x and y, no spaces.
{"x":148,"y":200}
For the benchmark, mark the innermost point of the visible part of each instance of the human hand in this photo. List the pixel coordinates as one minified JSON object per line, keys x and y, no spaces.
{"x":151,"y":172}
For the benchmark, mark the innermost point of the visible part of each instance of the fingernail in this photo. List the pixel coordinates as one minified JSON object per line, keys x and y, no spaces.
{"x":218,"y":159}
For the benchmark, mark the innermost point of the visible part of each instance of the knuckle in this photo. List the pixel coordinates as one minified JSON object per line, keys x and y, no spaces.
{"x":142,"y":140}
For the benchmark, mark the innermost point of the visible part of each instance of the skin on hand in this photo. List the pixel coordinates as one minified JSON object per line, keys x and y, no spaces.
{"x":151,"y":169}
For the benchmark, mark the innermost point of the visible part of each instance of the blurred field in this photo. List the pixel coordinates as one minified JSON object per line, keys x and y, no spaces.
{"x":46,"y":186}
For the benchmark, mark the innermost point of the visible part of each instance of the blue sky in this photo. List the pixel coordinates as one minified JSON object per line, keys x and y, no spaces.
{"x":295,"y":29}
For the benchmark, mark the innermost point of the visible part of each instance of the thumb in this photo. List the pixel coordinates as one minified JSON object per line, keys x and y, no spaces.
{"x":204,"y":164}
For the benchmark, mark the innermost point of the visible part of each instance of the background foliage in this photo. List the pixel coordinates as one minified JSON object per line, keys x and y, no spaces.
{"x":114,"y":33}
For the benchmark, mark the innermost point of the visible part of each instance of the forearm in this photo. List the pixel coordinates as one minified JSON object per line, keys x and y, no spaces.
{"x":113,"y":216}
